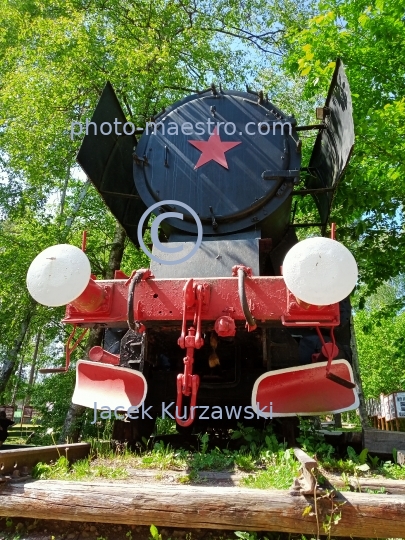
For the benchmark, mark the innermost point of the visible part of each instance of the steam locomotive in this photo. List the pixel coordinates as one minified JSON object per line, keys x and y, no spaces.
{"x":235,"y":319}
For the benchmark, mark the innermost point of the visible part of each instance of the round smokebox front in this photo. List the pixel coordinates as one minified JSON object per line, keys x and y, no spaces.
{"x":226,"y":156}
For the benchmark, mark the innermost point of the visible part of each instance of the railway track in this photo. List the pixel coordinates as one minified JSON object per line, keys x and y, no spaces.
{"x":194,"y":506}
{"x":17,"y":462}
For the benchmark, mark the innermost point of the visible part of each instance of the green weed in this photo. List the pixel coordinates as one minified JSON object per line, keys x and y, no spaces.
{"x":81,"y":470}
{"x":215,"y":460}
{"x":249,"y":535}
{"x":313,"y":442}
{"x":281,"y":469}
{"x":245,"y":462}
{"x":155,"y":533}
{"x":391,"y":470}
{"x":164,"y":457}
{"x":165,"y":426}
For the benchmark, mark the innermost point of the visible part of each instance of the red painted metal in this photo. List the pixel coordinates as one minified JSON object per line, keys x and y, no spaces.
{"x":119,"y":274}
{"x":302,"y":314}
{"x":303,"y":390}
{"x":225,"y":326}
{"x":187,"y":383}
{"x":217,"y":301}
{"x":213,"y":150}
{"x":68,"y":351}
{"x":98,"y":354}
{"x":246,"y":269}
{"x":163,"y":300}
{"x":330,"y":351}
{"x":91,"y":299}
{"x":102,"y":385}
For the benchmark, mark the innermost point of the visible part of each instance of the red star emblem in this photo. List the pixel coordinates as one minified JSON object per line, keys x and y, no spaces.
{"x":213,"y":150}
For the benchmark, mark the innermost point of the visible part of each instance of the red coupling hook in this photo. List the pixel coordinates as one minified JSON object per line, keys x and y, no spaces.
{"x":193,"y":390}
{"x":187,"y":383}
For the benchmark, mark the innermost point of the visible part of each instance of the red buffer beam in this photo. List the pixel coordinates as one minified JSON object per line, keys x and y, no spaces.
{"x":163,"y":300}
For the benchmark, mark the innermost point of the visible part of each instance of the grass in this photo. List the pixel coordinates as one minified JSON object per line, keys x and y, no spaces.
{"x":260,"y":452}
{"x":281,"y":469}
{"x":267,"y":461}
{"x":80,"y":470}
{"x":391,"y":470}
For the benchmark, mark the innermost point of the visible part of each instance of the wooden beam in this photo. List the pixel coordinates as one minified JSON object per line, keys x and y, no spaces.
{"x":382,"y":442}
{"x":362,"y":515}
{"x":364,"y":484}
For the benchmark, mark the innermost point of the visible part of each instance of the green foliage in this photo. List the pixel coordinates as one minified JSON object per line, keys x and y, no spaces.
{"x":58,"y":470}
{"x":164,"y":457}
{"x":260,"y":449}
{"x":380,"y":342}
{"x":51,"y":399}
{"x":311,"y":441}
{"x":155,"y":533}
{"x":215,"y":460}
{"x":256,"y":439}
{"x":80,"y":470}
{"x":369,"y":37}
{"x":392,"y":470}
{"x":281,"y":469}
{"x":165,"y":426}
{"x":249,"y":536}
{"x":361,"y":459}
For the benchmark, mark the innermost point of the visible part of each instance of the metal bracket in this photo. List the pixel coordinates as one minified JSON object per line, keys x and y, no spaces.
{"x":271,"y":175}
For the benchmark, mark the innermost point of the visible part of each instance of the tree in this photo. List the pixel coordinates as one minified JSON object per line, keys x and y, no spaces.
{"x":370,"y":39}
{"x":55,"y":58}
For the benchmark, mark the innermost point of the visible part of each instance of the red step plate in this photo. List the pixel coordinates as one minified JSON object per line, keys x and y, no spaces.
{"x":304,"y":390}
{"x":108,"y":386}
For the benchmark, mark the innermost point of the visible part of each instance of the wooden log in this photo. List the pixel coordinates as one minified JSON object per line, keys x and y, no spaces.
{"x":382,"y":442}
{"x":16,"y":459}
{"x":362,"y":515}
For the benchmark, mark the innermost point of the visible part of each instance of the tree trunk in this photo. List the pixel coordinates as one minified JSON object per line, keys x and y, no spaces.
{"x":34,"y":360}
{"x":10,"y":356}
{"x":14,"y":396}
{"x":33,"y":368}
{"x":117,"y":251}
{"x":357,"y":378}
{"x":75,"y":416}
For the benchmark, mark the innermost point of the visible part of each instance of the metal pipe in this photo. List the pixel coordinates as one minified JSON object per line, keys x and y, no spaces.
{"x":243,"y":300}
{"x":137,"y":277}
